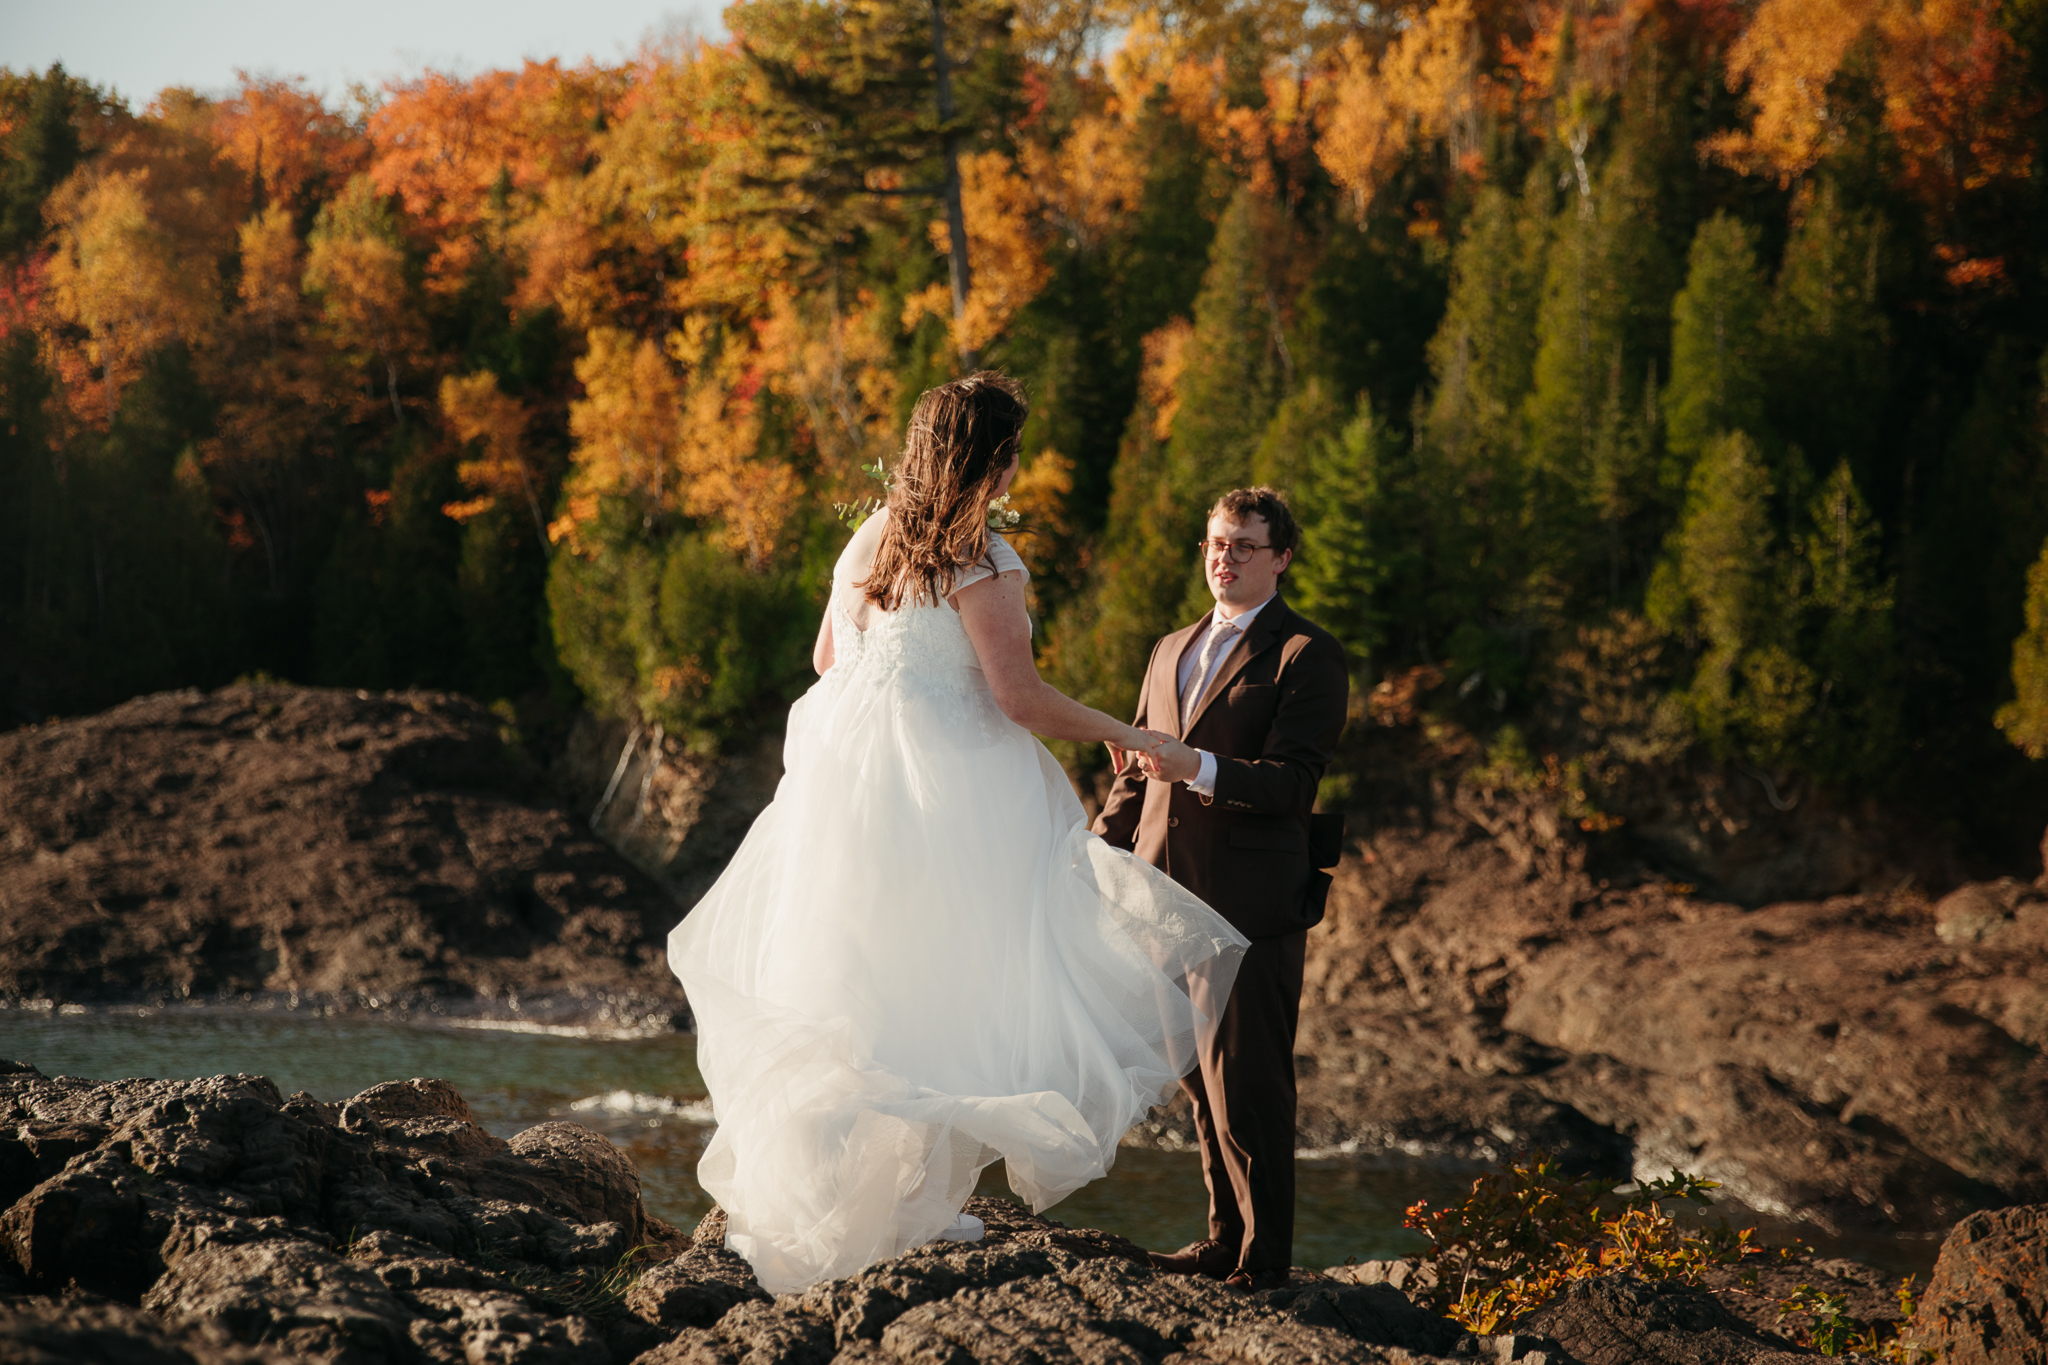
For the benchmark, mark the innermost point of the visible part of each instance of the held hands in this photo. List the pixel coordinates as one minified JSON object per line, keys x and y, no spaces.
{"x":1172,"y":761}
{"x":1155,"y":755}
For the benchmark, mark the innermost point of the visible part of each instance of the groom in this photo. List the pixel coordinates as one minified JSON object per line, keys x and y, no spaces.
{"x":1254,"y":696}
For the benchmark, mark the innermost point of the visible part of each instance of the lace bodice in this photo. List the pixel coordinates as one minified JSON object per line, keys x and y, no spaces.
{"x":922,"y":650}
{"x":928,"y":642}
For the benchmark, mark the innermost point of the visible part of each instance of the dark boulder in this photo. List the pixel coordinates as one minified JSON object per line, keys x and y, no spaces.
{"x":1988,"y":1299}
{"x":364,"y":850}
{"x":291,"y":1294}
{"x":1620,"y":1320}
{"x":222,"y":1221}
{"x":83,"y":1329}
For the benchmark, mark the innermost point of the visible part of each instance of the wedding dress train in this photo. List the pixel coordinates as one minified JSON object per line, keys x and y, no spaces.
{"x":920,"y":960}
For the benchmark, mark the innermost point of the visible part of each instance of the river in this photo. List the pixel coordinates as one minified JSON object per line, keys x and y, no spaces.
{"x":644,"y":1094}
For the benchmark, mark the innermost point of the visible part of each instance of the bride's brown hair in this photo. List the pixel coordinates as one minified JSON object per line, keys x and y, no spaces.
{"x":961,"y":440}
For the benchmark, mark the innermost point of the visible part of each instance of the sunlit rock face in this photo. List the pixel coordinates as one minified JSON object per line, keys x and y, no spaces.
{"x":1492,"y":979}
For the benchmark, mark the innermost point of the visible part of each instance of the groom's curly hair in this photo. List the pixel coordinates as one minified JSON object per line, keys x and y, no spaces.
{"x":1283,"y":533}
{"x":962,"y":438}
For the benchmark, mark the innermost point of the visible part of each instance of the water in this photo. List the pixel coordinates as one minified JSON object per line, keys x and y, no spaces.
{"x":645,"y":1094}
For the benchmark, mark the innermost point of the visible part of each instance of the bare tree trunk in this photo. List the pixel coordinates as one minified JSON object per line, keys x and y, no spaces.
{"x":540,"y":529}
{"x":269,"y":546}
{"x":618,"y":774}
{"x":956,"y":212}
{"x":654,"y":757}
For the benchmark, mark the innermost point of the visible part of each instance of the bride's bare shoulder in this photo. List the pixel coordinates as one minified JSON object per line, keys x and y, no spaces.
{"x":860,"y":551}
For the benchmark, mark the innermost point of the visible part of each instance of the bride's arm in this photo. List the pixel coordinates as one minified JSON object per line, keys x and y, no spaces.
{"x":993,"y":613}
{"x":821,"y":652}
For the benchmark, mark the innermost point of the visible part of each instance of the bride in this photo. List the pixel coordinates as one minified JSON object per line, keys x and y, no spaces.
{"x":920,"y":961}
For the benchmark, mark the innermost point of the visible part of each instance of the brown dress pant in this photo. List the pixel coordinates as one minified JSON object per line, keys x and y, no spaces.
{"x":1243,"y":1089}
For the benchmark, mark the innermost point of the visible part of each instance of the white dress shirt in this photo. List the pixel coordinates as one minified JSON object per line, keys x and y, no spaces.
{"x":1203,"y":783}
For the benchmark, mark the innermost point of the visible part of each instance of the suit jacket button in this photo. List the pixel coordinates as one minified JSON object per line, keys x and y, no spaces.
{"x":1173,"y":822}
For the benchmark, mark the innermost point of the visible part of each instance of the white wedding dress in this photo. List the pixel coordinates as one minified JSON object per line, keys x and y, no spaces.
{"x":920,"y":960}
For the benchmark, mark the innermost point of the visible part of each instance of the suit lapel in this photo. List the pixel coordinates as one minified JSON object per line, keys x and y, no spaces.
{"x":1266,"y":628}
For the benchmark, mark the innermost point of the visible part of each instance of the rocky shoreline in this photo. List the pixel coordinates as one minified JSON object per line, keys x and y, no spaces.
{"x":217,"y":1222}
{"x":1762,"y":997}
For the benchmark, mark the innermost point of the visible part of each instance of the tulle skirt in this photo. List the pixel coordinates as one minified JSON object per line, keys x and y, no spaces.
{"x":919,"y":961}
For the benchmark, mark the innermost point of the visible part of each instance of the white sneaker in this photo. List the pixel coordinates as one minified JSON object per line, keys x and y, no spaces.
{"x":965,"y":1228}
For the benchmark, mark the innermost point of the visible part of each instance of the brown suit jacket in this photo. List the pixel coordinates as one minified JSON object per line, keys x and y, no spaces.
{"x":1271,"y":715}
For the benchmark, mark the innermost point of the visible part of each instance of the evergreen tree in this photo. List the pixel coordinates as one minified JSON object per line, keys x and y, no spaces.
{"x":1483,"y":355}
{"x":29,"y":494}
{"x":388,"y":608}
{"x":1368,"y":312}
{"x":1336,"y":579}
{"x":122,"y":589}
{"x":40,"y":147}
{"x":1234,"y":371}
{"x":1305,"y":419}
{"x":1469,"y":480}
{"x":1223,"y":385}
{"x":1078,"y":348}
{"x":1798,"y":657}
{"x":845,"y":92}
{"x":1825,"y":332}
{"x":1751,"y":691}
{"x":1591,"y":411}
{"x":2024,"y":719}
{"x":1980,"y":512}
{"x":1851,"y":645}
{"x":1717,"y":373}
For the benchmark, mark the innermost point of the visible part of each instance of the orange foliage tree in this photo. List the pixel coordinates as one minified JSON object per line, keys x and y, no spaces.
{"x":452,"y":151}
{"x":293,"y":148}
{"x":1955,"y":96}
{"x":273,"y":384}
{"x":124,"y":277}
{"x":485,"y":418}
{"x":1426,"y":87}
{"x":356,"y":268}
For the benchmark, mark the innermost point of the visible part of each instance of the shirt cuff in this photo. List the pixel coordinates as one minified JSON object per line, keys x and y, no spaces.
{"x":1203,"y":783}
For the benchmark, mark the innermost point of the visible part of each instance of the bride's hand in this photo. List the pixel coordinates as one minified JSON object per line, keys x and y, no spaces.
{"x":1172,"y":761}
{"x":1128,"y":754}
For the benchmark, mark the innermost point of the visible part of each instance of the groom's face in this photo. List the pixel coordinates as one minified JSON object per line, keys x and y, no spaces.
{"x":1239,"y":587}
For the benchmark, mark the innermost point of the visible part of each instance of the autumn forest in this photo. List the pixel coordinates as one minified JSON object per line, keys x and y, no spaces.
{"x":1659,"y":382}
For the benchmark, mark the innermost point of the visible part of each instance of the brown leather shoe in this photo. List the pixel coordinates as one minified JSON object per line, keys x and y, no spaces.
{"x":1206,"y":1257}
{"x":1257,"y":1281}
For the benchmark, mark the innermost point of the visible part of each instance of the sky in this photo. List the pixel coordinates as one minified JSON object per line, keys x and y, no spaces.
{"x":138,"y":47}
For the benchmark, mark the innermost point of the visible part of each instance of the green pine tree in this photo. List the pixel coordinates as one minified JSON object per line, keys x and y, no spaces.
{"x":41,"y":145}
{"x":1343,"y":561}
{"x":1148,"y":579}
{"x":1751,"y":692}
{"x":1826,"y":335}
{"x":1235,"y":368}
{"x":845,"y":91}
{"x":1469,"y":481}
{"x":2024,"y":719}
{"x":1591,"y":411}
{"x":1850,"y":641}
{"x":1305,"y":418}
{"x":1980,"y":512}
{"x":1717,"y":375}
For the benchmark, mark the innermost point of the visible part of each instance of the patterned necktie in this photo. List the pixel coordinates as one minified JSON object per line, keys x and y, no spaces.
{"x":1219,"y":637}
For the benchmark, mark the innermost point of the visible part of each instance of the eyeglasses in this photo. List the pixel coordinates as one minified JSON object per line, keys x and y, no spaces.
{"x":1240,"y":551}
